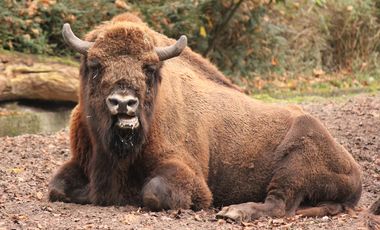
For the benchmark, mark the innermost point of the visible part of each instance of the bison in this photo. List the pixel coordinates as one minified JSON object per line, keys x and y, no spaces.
{"x":158,"y":126}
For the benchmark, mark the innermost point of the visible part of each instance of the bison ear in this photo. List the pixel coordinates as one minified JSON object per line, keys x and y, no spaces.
{"x":73,"y":41}
{"x":165,"y":53}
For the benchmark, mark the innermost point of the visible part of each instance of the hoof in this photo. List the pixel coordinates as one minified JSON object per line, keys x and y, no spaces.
{"x":156,"y":194}
{"x":56,"y":195}
{"x":234,"y":213}
{"x":250,"y":211}
{"x":56,"y":192}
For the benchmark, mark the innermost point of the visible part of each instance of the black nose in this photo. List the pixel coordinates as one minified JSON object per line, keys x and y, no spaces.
{"x":122,"y":104}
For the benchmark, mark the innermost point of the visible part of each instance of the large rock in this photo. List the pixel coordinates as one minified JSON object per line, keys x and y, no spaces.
{"x":31,"y":77}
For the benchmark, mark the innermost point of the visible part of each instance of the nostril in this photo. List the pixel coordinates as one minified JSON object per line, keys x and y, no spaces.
{"x":132,"y":102}
{"x":118,"y":103}
{"x":113,"y":104}
{"x":113,"y":101}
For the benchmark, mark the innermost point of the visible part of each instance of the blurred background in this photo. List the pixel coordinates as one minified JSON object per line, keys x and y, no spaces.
{"x":276,"y":50}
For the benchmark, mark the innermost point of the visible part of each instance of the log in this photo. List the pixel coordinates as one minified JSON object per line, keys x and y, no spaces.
{"x":30,"y":77}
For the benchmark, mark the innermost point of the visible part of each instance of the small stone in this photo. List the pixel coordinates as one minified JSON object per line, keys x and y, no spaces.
{"x":39,"y":195}
{"x":325,"y":219}
{"x":278,"y":221}
{"x":221,"y":221}
{"x":197,"y":218}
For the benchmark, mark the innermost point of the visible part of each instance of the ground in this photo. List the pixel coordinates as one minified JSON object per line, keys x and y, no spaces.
{"x":28,"y":162}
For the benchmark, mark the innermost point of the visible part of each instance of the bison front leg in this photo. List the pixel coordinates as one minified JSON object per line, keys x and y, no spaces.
{"x":174,"y":185}
{"x":69,"y":184}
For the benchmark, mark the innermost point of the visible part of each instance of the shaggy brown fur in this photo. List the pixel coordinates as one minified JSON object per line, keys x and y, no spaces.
{"x":201,"y":141}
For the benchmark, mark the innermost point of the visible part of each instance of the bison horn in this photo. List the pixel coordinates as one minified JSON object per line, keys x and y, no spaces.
{"x":73,"y":41}
{"x":168,"y":52}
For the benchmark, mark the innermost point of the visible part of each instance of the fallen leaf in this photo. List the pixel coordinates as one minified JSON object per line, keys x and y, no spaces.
{"x":221,"y":221}
{"x":318,"y":72}
{"x":202,"y":31}
{"x":17,"y":170}
{"x":274,"y":61}
{"x":39,"y":195}
{"x":122,"y":5}
{"x":247,"y":224}
{"x":197,"y":218}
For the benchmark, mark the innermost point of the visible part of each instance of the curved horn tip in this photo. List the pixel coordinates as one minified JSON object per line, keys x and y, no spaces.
{"x":183,"y":41}
{"x":66,"y":27}
{"x":165,"y":53}
{"x":66,"y":31}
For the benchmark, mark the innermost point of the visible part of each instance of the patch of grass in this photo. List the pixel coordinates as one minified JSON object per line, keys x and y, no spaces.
{"x":325,"y":85}
{"x":316,"y":88}
{"x":13,"y":124}
{"x":297,"y":99}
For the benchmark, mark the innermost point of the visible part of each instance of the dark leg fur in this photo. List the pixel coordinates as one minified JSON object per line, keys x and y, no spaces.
{"x":174,"y":185}
{"x":103,"y":185}
{"x":69,"y":185}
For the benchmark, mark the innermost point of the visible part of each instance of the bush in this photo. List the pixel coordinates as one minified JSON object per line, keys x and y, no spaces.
{"x":245,"y":38}
{"x":302,"y":36}
{"x":221,"y":30}
{"x":354,"y":35}
{"x":35,"y":26}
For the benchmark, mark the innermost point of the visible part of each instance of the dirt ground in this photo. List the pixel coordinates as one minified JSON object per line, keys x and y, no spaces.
{"x":27,"y":162}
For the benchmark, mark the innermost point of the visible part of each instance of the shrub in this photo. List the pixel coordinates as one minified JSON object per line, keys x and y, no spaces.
{"x":221,"y":30}
{"x":35,"y":26}
{"x":245,"y":38}
{"x":354,"y":35}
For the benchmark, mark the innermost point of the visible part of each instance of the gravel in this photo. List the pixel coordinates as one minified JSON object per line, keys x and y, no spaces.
{"x":28,"y":162}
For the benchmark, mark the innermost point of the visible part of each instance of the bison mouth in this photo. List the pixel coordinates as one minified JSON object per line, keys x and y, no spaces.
{"x":124,"y":121}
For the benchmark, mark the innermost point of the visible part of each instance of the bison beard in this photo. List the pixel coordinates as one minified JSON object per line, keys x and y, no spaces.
{"x":125,"y":142}
{"x":200,"y":141}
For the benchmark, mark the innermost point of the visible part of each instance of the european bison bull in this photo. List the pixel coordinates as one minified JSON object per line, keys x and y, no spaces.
{"x":169,"y":133}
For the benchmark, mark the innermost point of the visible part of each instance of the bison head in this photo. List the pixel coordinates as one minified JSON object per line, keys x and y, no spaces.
{"x":120,"y":74}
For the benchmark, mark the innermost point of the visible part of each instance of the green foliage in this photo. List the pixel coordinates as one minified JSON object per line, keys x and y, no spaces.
{"x":251,"y":40}
{"x":221,"y":30}
{"x":305,"y":35}
{"x":35,"y":26}
{"x":354,"y":35}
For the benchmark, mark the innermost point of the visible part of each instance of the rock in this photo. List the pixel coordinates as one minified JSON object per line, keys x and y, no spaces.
{"x":325,"y":219}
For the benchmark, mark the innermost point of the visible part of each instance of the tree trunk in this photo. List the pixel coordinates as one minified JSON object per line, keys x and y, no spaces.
{"x":29,"y":77}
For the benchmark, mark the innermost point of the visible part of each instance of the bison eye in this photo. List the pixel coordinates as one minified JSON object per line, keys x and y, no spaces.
{"x":95,"y":67}
{"x":93,"y":63}
{"x":95,"y":73}
{"x":149,"y":69}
